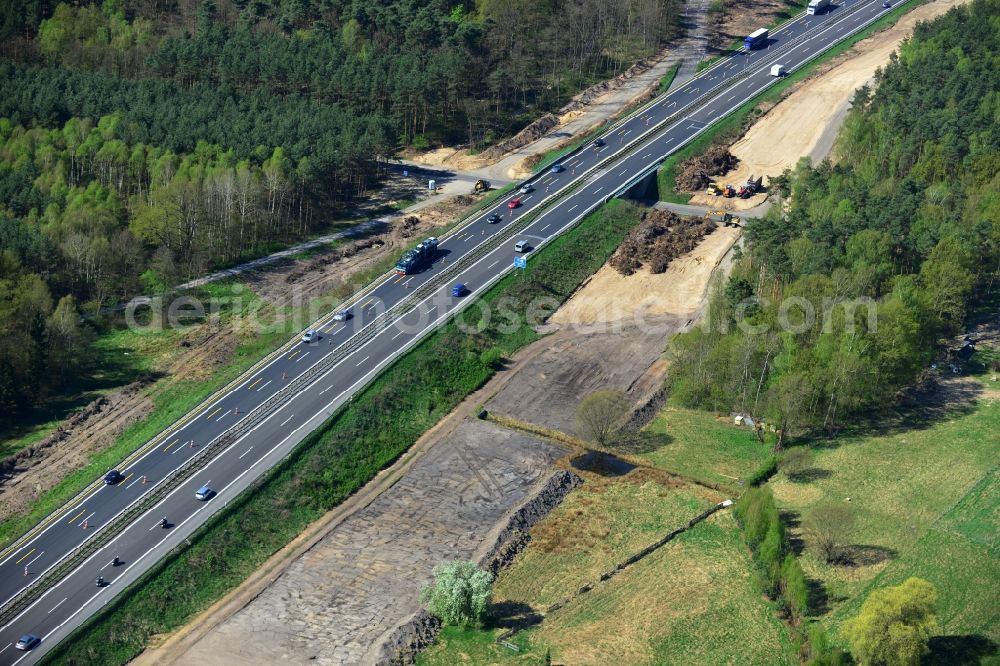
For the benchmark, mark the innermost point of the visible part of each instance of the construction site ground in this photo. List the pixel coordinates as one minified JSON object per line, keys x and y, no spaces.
{"x":333,"y":602}
{"x":806,"y":120}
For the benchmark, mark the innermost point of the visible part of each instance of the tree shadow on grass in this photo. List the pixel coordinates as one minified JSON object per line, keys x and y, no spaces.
{"x":819,"y":599}
{"x":956,"y":650}
{"x":863,"y":555}
{"x":643,"y":441}
{"x":791,"y":520}
{"x":513,"y":615}
{"x":809,"y":475}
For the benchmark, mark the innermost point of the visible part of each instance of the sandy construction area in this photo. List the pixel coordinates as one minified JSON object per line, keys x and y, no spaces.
{"x":805,"y":122}
{"x":680,"y":290}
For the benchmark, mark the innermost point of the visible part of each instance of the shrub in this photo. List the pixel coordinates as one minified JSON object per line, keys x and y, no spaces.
{"x":763,"y":473}
{"x":460,"y":593}
{"x":794,"y":586}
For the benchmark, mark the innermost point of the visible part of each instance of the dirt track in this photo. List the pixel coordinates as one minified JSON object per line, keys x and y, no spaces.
{"x":797,"y":126}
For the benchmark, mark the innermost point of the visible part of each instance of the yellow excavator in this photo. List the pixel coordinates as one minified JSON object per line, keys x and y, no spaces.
{"x":481,"y":186}
{"x":713,"y":189}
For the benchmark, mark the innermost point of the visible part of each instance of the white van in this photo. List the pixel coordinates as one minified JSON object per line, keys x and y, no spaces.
{"x":522,"y":246}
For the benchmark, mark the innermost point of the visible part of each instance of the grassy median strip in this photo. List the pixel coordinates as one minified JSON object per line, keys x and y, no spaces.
{"x":349,"y":449}
{"x":732,"y":125}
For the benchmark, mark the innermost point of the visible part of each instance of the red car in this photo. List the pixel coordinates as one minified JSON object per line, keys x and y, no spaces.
{"x":514,"y":203}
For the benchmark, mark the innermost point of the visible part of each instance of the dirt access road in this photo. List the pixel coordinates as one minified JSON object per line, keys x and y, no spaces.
{"x":806,"y":121}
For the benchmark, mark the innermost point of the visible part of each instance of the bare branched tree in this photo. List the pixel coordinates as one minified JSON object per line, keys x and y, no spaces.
{"x":601,"y":416}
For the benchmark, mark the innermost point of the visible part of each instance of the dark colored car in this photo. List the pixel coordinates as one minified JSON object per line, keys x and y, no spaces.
{"x":343,"y":315}
{"x":598,"y":143}
{"x":113,"y":477}
{"x":27,"y":642}
{"x":558,"y":168}
{"x":494,"y":218}
{"x":459,"y":290}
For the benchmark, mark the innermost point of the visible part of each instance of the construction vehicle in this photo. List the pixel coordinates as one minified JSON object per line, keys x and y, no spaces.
{"x":713,"y":189}
{"x":729,"y":192}
{"x":418,"y":258}
{"x":481,"y":186}
{"x":750,"y":188}
{"x":722,"y":217}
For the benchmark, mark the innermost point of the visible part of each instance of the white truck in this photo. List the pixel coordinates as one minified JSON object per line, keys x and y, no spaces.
{"x":817,"y":6}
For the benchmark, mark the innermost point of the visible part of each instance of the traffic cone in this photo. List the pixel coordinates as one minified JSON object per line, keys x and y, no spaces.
{"x":25,"y":571}
{"x":144,"y":478}
{"x":191,"y":444}
{"x":282,"y":376}
{"x":85,"y":524}
{"x":236,"y":410}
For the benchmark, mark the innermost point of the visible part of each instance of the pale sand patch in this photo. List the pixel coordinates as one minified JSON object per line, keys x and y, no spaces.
{"x":680,"y":290}
{"x":795,"y":126}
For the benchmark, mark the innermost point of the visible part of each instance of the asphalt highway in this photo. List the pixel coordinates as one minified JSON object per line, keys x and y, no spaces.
{"x":143,"y":542}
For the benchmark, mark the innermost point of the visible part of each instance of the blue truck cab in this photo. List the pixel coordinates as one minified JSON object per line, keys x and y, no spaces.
{"x":756,"y":39}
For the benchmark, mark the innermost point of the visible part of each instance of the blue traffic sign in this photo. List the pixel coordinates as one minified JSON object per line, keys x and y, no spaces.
{"x":520,"y":262}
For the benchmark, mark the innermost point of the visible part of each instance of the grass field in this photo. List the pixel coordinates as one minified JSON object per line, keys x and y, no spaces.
{"x":926,"y":500}
{"x":706,"y":448}
{"x":600,"y":524}
{"x":691,"y":602}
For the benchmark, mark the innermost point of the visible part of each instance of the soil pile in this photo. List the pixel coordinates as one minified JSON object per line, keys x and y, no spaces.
{"x":697,"y":172}
{"x":659,"y":239}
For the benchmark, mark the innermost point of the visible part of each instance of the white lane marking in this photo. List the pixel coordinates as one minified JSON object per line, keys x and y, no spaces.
{"x":5,"y":647}
{"x":646,"y":155}
{"x":398,"y":334}
{"x":493,"y":264}
{"x":326,"y":389}
{"x":58,"y":605}
{"x":223,"y":416}
{"x":287,"y":420}
{"x":543,"y":229}
{"x":730,"y":98}
{"x":269,"y":381}
{"x":407,"y":282}
{"x":137,"y":480}
{"x":598,"y":189}
{"x":572,"y":209}
{"x":361,"y":362}
{"x":35,"y":558}
{"x":627,"y":133}
{"x":623,"y":172}
{"x":525,"y":198}
{"x":296,"y":360}
{"x":251,"y":448}
{"x":152,"y":449}
{"x":88,"y":517}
